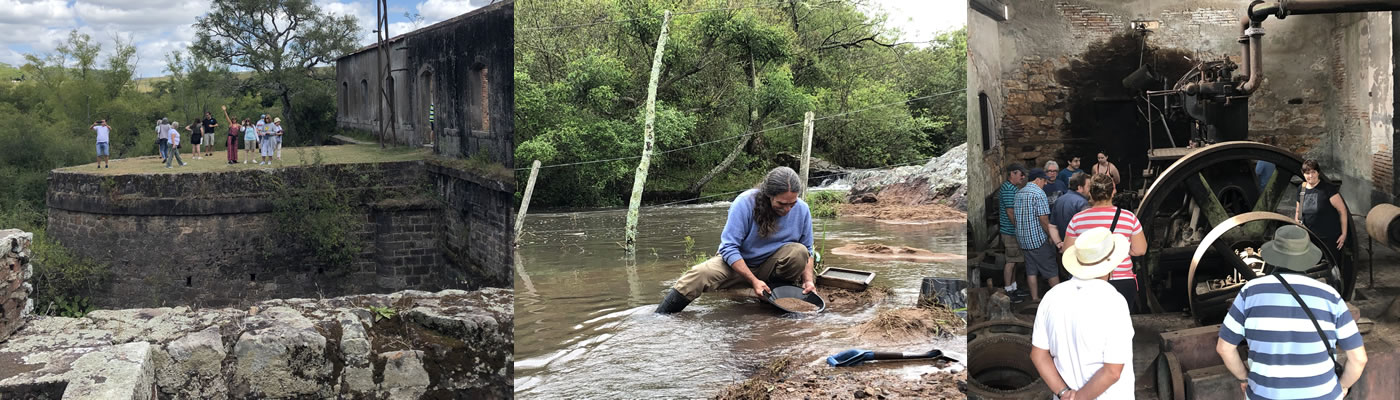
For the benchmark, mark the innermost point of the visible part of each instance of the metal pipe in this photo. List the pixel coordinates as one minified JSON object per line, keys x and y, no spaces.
{"x":1283,"y":8}
{"x":1256,"y":59}
{"x":1244,"y":45}
{"x":1303,"y":7}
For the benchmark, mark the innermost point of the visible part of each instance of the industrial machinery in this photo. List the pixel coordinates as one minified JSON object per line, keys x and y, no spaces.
{"x":1200,"y":242}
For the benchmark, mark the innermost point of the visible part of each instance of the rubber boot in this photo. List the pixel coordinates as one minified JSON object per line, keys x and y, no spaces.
{"x":674,"y":303}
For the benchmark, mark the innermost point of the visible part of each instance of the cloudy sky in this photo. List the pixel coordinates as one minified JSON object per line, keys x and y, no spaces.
{"x":158,"y":27}
{"x":921,"y":20}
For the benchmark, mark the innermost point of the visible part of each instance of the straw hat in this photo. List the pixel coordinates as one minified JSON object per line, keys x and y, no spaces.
{"x":1095,"y":253}
{"x":276,"y":120}
{"x":1291,"y":248}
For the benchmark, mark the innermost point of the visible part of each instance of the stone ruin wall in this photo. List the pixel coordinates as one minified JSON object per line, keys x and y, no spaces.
{"x":15,"y":288}
{"x":202,"y":239}
{"x":449,"y":344}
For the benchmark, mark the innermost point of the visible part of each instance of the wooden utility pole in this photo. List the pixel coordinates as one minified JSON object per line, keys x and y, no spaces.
{"x":525,"y":202}
{"x":641,"y":179}
{"x":806,"y":150}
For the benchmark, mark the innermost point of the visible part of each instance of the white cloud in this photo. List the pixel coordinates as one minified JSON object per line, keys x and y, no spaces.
{"x":434,"y":11}
{"x":148,"y":17}
{"x":41,"y":12}
{"x":920,"y":20}
{"x":363,"y":13}
{"x":158,"y":27}
{"x":12,"y":57}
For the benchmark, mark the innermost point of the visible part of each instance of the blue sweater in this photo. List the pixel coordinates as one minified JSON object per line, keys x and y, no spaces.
{"x":740,"y":238}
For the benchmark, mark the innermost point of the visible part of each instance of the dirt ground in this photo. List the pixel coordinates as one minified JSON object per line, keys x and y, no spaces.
{"x":781,"y":380}
{"x":881,"y":251}
{"x":785,"y":379}
{"x":901,"y":213}
{"x":909,"y":325}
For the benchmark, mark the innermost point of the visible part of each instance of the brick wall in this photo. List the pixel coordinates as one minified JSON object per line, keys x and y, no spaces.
{"x":15,"y":270}
{"x":478,"y":235}
{"x":209,"y":239}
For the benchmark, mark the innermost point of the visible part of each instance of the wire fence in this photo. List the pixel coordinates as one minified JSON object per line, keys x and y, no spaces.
{"x":657,"y":153}
{"x":846,"y":172}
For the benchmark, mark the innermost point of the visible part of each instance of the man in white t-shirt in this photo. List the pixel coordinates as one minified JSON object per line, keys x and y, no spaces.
{"x":103,"y":139}
{"x":1083,"y":336}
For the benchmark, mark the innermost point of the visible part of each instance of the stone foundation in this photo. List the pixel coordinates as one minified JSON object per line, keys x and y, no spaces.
{"x":210,"y":239}
{"x":449,"y":344}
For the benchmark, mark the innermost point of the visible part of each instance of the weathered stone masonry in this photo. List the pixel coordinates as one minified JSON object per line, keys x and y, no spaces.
{"x":449,"y":344}
{"x":15,"y":288}
{"x":203,"y":239}
{"x":464,"y":65}
{"x":478,"y":232}
{"x":1327,"y":90}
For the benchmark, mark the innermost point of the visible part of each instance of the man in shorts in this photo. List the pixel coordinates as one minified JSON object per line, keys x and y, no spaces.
{"x":1038,"y":240}
{"x":103,"y":140}
{"x":1015,"y":178}
{"x":209,"y":124}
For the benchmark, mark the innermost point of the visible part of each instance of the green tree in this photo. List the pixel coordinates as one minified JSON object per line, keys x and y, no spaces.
{"x":743,"y":72}
{"x":281,"y":41}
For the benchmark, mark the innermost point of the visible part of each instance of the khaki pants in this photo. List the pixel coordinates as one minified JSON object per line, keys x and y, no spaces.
{"x":786,"y":264}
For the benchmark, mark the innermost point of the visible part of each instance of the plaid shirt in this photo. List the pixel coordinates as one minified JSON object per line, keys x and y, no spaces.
{"x":1007,"y":200}
{"x":1030,"y":205}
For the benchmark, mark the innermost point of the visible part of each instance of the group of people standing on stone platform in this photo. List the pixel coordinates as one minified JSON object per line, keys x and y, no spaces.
{"x":1296,"y":326}
{"x":263,"y":137}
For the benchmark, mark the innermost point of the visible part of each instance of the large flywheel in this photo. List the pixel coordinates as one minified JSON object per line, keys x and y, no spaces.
{"x":1211,"y":288}
{"x":1199,"y":192}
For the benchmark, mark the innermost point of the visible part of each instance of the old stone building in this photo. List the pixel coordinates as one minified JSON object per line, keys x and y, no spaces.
{"x":1042,"y":76}
{"x":462,"y":68}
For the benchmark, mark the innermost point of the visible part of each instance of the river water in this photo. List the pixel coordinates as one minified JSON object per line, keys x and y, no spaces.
{"x":584,"y":326}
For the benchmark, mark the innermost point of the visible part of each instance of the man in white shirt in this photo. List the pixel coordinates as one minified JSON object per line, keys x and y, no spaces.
{"x":103,"y":139}
{"x":1083,"y":337}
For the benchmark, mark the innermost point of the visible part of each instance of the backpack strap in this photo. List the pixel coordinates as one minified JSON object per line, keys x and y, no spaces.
{"x":1330,"y":354}
{"x":1114,"y":225}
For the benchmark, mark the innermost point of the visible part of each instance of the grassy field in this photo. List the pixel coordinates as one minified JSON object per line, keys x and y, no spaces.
{"x":291,"y":157}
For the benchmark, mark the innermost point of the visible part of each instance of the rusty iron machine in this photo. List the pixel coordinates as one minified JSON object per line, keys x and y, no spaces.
{"x":1203,"y":211}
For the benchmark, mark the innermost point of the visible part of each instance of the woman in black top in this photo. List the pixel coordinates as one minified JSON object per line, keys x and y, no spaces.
{"x":1320,"y":206}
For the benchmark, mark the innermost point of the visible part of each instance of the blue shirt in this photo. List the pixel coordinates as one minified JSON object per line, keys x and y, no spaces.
{"x":740,"y":239}
{"x":1054,"y":189}
{"x":1065,"y":208}
{"x":1065,"y":174}
{"x":1263,"y":170}
{"x":1008,"y":200}
{"x":1030,"y":205}
{"x":1286,"y":357}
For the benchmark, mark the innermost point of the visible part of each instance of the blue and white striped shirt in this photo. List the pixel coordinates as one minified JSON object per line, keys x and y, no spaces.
{"x":1287,"y":359}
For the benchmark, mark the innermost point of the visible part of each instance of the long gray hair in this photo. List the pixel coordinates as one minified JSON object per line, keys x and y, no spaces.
{"x":780,"y":180}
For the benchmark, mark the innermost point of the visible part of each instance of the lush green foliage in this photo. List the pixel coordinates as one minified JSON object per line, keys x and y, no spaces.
{"x":46,"y":119}
{"x":313,"y":212}
{"x":61,"y":279}
{"x":824,"y":204}
{"x":581,"y":91}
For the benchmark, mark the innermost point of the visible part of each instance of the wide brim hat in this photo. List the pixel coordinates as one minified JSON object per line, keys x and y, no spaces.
{"x":1095,"y":253}
{"x":1292,"y":248}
